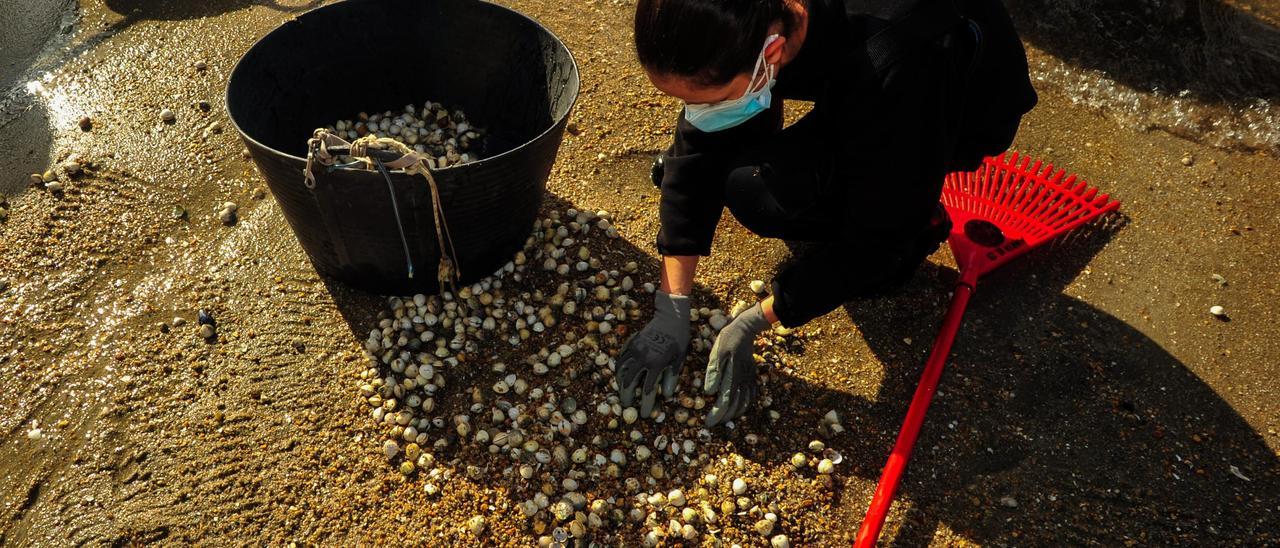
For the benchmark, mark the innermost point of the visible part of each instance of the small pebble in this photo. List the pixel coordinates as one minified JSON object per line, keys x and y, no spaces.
{"x":207,"y":331}
{"x":53,"y":186}
{"x":764,"y":527}
{"x":1218,"y":311}
{"x":757,"y":286}
{"x":562,"y":510}
{"x":86,"y":123}
{"x":825,"y":466}
{"x":739,"y":486}
{"x":35,"y":434}
{"x":780,"y":541}
{"x":1008,"y":502}
{"x":717,"y":322}
{"x":168,"y":116}
{"x":676,"y":498}
{"x":1188,"y":161}
{"x":476,"y":525}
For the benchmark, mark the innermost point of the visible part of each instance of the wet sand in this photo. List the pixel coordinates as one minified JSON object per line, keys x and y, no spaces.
{"x":1090,"y":383}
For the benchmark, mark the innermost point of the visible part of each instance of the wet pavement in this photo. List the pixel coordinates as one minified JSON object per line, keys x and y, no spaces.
{"x":1090,"y":383}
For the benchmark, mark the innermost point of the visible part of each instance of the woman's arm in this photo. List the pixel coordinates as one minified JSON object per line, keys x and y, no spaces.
{"x":677,"y":279}
{"x":677,"y":273}
{"x":766,"y":306}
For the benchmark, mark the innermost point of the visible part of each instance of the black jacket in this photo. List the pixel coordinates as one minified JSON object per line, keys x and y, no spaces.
{"x":883,"y":137}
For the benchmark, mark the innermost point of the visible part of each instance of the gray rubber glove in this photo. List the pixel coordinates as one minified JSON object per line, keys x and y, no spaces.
{"x":653,"y":357}
{"x":731,"y":371}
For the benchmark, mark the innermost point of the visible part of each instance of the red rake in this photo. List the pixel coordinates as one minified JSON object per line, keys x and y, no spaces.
{"x":1006,"y":208}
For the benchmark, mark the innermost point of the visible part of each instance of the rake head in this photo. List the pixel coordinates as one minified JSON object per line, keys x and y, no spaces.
{"x":1009,"y":206}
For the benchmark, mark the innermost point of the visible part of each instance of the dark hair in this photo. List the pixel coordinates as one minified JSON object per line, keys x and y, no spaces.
{"x":708,"y":41}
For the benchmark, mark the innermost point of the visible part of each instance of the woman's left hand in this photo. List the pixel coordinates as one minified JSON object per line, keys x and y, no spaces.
{"x":731,"y":371}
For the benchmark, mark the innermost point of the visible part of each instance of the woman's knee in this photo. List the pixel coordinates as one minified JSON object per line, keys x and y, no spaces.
{"x":748,"y":197}
{"x":743,"y":186}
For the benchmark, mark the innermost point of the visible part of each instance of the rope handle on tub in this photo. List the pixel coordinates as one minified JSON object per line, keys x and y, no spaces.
{"x":385,"y":154}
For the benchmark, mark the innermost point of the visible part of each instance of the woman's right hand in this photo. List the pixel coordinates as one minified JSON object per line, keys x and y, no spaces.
{"x":653,"y":357}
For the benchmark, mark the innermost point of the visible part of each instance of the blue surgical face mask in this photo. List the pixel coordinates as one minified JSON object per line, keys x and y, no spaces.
{"x":726,"y":114}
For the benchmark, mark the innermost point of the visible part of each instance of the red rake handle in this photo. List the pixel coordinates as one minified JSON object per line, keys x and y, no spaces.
{"x":893,"y":469}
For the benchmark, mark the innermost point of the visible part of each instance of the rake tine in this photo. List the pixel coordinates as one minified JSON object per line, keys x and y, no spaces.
{"x":1064,"y":208}
{"x":1031,"y":194}
{"x":1014,"y":188}
{"x":984,"y":181}
{"x":1030,"y":179}
{"x":1048,"y":172}
{"x":1062,"y":179}
{"x":991,"y":175}
{"x":1044,"y":195}
{"x":1069,"y":213}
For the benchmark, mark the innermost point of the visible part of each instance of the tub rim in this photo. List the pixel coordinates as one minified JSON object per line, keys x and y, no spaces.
{"x":555,"y":122}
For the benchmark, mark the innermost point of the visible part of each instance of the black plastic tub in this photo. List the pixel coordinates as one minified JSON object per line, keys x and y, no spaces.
{"x":506,"y":71}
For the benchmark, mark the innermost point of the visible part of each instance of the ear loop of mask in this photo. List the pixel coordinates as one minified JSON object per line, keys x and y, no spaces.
{"x":757,"y":69}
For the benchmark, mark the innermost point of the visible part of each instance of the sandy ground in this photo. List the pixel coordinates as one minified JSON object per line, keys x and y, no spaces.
{"x":1090,"y":384}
